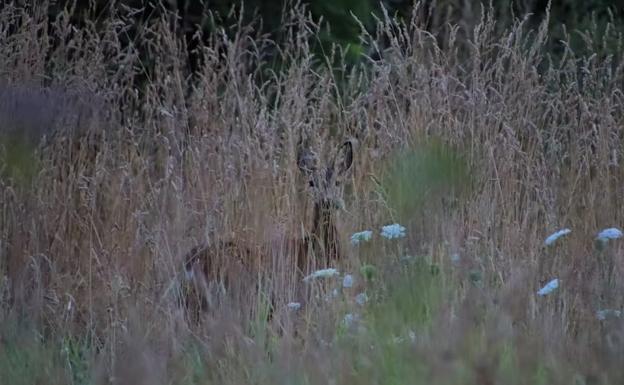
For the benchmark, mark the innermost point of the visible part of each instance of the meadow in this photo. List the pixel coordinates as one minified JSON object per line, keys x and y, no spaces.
{"x":474,"y":146}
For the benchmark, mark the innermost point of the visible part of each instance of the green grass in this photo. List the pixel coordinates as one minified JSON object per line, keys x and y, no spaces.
{"x":17,"y":155}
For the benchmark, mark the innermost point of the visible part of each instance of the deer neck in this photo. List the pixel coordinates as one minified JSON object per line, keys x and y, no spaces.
{"x":325,"y":234}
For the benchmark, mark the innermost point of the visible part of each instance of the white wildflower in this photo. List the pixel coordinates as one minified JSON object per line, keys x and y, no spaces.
{"x":393,"y":231}
{"x":350,"y":319}
{"x":324,"y":273}
{"x":166,"y":113}
{"x":605,"y":313}
{"x":361,"y":299}
{"x":398,"y":340}
{"x":347,"y":281}
{"x":69,"y":305}
{"x":332,"y":295}
{"x":610,"y":233}
{"x":294,"y":306}
{"x":549,"y":287}
{"x":362,"y":236}
{"x":556,"y":235}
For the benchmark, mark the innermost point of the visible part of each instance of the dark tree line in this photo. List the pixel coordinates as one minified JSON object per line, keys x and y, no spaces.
{"x":340,"y":26}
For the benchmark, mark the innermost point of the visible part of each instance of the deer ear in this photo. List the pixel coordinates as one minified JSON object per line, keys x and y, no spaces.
{"x":344,"y":158}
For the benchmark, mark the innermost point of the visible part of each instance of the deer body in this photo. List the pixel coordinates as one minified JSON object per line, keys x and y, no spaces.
{"x":232,"y":265}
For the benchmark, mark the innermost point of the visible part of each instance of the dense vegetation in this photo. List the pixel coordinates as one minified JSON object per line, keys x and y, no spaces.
{"x":121,"y":149}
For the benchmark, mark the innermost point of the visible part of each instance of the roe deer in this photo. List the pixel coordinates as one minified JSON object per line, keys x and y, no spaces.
{"x":231,"y":265}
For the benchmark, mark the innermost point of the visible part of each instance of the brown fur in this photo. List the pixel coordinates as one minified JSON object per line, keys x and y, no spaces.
{"x":231,"y":265}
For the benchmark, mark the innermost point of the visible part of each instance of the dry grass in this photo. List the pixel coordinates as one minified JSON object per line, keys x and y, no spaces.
{"x":143,"y":160}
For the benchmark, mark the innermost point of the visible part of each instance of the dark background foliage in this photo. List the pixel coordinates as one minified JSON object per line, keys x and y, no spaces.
{"x":340,"y":25}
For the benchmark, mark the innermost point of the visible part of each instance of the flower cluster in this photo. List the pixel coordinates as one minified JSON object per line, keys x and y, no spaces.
{"x":549,"y":287}
{"x":324,"y":273}
{"x":362,"y":236}
{"x":610,"y":233}
{"x":603,"y":236}
{"x":556,"y":235}
{"x":392,"y":231}
{"x":294,"y":306}
{"x":603,"y":314}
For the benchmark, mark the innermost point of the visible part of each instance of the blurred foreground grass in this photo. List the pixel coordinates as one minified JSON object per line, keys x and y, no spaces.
{"x":404,"y":334}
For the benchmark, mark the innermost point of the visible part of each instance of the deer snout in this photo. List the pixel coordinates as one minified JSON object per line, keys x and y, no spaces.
{"x":189,"y":274}
{"x":335,"y":204}
{"x":189,"y":268}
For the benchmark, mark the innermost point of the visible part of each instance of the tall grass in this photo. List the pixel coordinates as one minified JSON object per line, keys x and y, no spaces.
{"x":139,"y":160}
